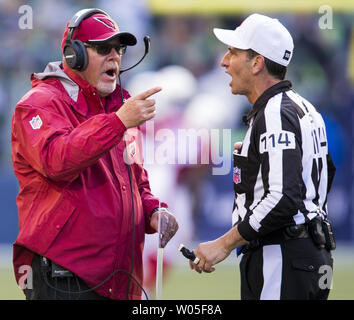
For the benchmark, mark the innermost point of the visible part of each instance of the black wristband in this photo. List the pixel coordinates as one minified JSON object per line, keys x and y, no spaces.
{"x":157,"y":209}
{"x":153,"y":211}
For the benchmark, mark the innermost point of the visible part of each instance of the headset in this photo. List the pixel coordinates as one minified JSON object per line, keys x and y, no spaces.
{"x":74,"y":51}
{"x":76,"y":57}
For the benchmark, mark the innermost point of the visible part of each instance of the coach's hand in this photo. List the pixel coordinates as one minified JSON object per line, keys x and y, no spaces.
{"x":169,"y":225}
{"x":136,"y":110}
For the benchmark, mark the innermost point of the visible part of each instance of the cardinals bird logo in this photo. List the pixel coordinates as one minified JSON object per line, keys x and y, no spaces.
{"x":107,"y":22}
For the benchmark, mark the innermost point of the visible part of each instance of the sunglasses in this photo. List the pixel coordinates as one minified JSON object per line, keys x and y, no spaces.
{"x":105,"y":49}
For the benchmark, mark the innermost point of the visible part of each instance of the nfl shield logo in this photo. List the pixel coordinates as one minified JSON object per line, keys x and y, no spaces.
{"x":36,"y":122}
{"x":237,"y":175}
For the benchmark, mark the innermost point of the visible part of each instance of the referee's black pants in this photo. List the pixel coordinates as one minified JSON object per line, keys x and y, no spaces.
{"x":292,"y":270}
{"x":45,"y":287}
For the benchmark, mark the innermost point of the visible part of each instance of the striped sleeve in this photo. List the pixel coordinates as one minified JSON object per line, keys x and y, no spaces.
{"x":277,"y":137}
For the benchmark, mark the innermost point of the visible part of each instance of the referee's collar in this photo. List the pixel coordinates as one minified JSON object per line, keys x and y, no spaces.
{"x":265,"y":96}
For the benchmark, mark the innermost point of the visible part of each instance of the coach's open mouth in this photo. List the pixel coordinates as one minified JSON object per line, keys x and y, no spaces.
{"x":111,"y":72}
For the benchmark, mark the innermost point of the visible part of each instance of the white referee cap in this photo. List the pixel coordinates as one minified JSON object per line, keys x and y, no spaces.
{"x":265,"y":35}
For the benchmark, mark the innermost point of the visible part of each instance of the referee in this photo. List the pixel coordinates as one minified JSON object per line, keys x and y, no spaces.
{"x":282,"y":174}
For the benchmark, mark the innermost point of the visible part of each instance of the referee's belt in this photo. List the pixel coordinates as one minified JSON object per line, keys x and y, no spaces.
{"x":299,"y":231}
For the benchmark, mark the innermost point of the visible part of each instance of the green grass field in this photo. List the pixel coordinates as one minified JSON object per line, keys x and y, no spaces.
{"x":224,"y":284}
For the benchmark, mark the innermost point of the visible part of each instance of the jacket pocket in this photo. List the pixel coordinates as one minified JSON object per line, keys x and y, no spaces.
{"x":40,"y":237}
{"x":307,"y":264}
{"x":241,"y":174}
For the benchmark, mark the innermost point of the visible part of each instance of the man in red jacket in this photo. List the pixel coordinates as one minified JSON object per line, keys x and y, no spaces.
{"x":84,"y":200}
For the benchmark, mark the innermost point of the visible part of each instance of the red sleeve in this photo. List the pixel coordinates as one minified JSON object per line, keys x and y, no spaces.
{"x":53,"y":147}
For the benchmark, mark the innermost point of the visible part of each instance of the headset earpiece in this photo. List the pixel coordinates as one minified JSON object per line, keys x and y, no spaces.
{"x":69,"y":55}
{"x":83,"y":55}
{"x":75,"y":55}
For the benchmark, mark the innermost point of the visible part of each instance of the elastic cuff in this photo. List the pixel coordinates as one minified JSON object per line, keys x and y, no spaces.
{"x":148,"y":213}
{"x":246,"y":231}
{"x":157,"y":209}
{"x":153,"y":211}
{"x":153,"y":206}
{"x":117,"y":122}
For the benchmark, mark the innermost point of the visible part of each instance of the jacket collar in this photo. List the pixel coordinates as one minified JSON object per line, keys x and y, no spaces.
{"x":85,"y":87}
{"x":74,"y":84}
{"x":265,"y":96}
{"x":54,"y":70}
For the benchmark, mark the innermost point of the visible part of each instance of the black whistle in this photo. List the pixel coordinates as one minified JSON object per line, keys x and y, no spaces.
{"x":188,"y":253}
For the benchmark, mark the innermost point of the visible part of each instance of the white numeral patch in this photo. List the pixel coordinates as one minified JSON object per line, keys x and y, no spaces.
{"x":280,"y":140}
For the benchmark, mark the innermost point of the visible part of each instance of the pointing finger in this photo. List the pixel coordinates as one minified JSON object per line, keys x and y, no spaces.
{"x":148,"y":93}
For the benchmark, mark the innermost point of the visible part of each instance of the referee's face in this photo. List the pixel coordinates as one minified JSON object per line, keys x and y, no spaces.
{"x":237,"y":65}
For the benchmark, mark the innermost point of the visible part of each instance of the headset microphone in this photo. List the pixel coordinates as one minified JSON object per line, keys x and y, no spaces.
{"x":147,"y":48}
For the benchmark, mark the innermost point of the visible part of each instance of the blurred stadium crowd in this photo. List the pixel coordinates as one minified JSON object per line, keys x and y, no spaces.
{"x":184,"y":60}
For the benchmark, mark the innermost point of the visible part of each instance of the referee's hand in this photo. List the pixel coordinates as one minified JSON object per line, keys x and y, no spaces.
{"x":212,"y":252}
{"x":209,"y":253}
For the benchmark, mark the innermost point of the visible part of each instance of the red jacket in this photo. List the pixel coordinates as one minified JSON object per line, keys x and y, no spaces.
{"x":74,"y":201}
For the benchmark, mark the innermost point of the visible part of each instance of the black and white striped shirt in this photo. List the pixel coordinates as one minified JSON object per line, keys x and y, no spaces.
{"x":281,"y":172}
